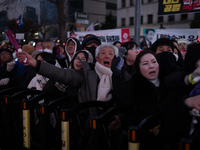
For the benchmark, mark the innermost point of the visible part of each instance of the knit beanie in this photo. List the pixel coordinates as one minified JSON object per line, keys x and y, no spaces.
{"x":182,"y":41}
{"x":91,"y":39}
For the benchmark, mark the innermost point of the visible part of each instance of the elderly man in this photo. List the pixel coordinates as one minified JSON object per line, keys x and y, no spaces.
{"x":96,"y":82}
{"x":47,"y":46}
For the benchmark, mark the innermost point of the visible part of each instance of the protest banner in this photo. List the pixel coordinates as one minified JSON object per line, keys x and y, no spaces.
{"x":166,"y":7}
{"x":191,"y":35}
{"x":151,"y":35}
{"x":108,"y":36}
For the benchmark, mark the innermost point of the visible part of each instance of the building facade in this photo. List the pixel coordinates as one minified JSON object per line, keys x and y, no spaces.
{"x":150,"y":17}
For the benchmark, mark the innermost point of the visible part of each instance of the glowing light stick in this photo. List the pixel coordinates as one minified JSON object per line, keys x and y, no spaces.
{"x":14,"y":43}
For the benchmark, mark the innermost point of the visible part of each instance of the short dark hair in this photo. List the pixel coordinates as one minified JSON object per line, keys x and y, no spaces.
{"x":161,"y":42}
{"x":117,"y":42}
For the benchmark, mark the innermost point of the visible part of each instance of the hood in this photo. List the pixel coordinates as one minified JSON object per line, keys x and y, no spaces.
{"x":77,"y":46}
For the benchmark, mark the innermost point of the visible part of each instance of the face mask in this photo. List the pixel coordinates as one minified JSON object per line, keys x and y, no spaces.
{"x":91,"y":50}
{"x":176,"y":56}
{"x":14,"y":55}
{"x":37,"y":48}
{"x":48,"y":50}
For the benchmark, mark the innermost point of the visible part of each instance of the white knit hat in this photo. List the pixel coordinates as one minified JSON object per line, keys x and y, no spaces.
{"x":182,"y":41}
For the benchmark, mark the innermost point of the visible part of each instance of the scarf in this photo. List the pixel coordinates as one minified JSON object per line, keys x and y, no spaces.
{"x":156,"y":82}
{"x":105,"y":84}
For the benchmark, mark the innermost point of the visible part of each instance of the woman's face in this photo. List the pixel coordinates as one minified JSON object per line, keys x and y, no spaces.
{"x":77,"y":63}
{"x":149,"y":67}
{"x":131,"y":54}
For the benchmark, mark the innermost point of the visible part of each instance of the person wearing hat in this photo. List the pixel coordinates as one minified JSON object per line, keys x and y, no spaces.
{"x":5,"y":58}
{"x":182,"y":44}
{"x":90,"y":44}
{"x":72,"y":45}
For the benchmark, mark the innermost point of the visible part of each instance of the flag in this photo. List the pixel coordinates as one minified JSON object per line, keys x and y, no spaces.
{"x":90,"y":28}
{"x":20,"y":23}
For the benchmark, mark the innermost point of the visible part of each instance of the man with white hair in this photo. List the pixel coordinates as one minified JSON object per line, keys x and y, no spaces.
{"x":95,"y":82}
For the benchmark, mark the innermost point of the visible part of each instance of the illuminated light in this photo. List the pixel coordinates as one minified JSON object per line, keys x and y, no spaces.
{"x":24,"y":40}
{"x":187,"y":146}
{"x":24,"y":105}
{"x":42,"y":110}
{"x":63,"y":115}
{"x":94,"y":124}
{"x":133,"y":136}
{"x":6,"y":100}
{"x":36,"y":33}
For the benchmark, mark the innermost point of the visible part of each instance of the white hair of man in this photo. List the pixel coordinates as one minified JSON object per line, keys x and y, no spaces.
{"x":49,"y":40}
{"x":106,"y":45}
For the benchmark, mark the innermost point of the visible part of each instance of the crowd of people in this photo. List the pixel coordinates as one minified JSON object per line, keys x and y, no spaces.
{"x":155,"y":81}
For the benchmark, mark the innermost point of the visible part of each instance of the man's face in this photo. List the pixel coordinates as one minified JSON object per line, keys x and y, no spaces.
{"x":47,"y":45}
{"x":150,"y":35}
{"x":92,"y":44}
{"x":105,"y":56}
{"x":70,"y":47}
{"x":5,"y":57}
{"x":163,"y":48}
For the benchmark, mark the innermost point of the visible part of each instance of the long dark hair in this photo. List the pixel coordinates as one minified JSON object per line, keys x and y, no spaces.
{"x":74,"y":57}
{"x":138,"y":59}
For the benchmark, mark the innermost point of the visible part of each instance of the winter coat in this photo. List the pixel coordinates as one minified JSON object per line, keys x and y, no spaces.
{"x":146,"y":102}
{"x":64,"y":62}
{"x":176,"y":121}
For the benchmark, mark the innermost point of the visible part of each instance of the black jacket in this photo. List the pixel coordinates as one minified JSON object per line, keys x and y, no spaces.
{"x":147,"y":101}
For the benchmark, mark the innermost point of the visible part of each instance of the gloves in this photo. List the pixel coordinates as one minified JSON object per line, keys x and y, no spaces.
{"x":10,"y":65}
{"x":117,"y":64}
{"x":194,"y":77}
{"x":122,"y":50}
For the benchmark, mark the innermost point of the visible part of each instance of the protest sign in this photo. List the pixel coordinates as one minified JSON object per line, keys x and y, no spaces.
{"x":109,"y":36}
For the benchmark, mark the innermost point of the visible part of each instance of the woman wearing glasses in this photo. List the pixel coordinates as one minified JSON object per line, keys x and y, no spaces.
{"x":129,"y":57}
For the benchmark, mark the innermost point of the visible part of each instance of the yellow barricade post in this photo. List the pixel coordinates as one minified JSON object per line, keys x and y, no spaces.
{"x":65,"y":130}
{"x":133,"y":143}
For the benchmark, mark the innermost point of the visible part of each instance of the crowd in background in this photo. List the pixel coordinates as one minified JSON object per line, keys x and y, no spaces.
{"x":154,"y":80}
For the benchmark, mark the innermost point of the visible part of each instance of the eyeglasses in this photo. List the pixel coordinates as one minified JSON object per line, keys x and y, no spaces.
{"x":136,"y":49}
